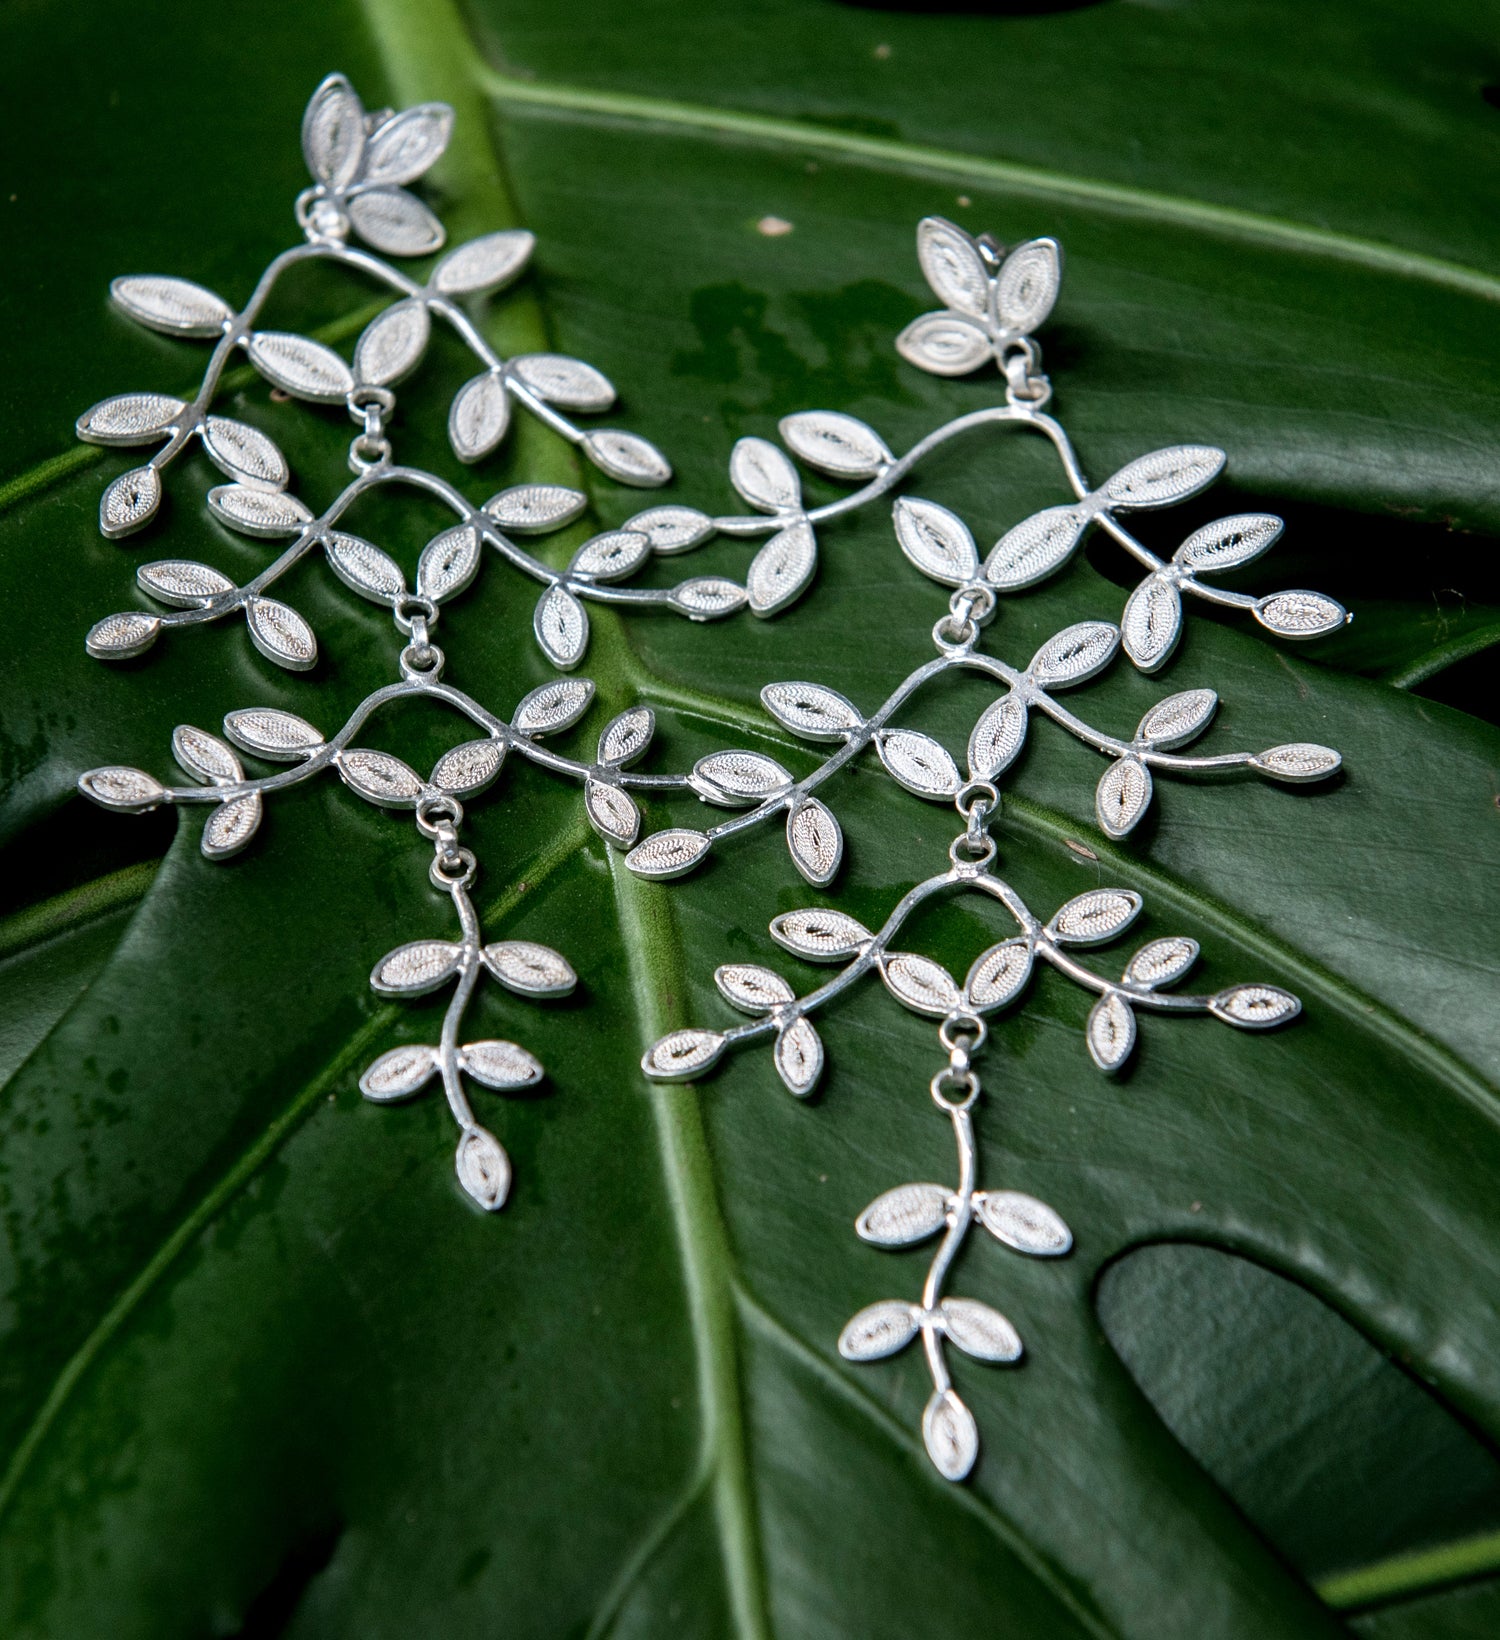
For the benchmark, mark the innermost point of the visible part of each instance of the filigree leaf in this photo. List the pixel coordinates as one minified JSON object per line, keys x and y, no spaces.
{"x":627,"y":457}
{"x":499,"y":1064}
{"x":626,"y":737}
{"x":924,"y":986}
{"x":468,"y":768}
{"x":878,"y":1330}
{"x":1300,"y":614}
{"x":1031,"y":550}
{"x":798,"y":1057}
{"x":552,"y":707}
{"x":129,"y":502}
{"x":998,"y":976}
{"x":118,"y":637}
{"x":1298,"y":762}
{"x":479,"y":416}
{"x":917,"y":762}
{"x":369,"y":571}
{"x":738,"y":779}
{"x":815,"y":840}
{"x":937,"y":541}
{"x":1092,"y":918}
{"x":449,"y":562}
{"x":1028,"y":284}
{"x":401,"y":148}
{"x":810,"y":710}
{"x":561,"y":624}
{"x":416,"y":968}
{"x":1152,"y":623}
{"x":530,"y":969}
{"x":132,"y":418}
{"x":951,"y":262}
{"x":182,"y":583}
{"x":333,"y":132}
{"x":281,"y":635}
{"x":271,"y":733}
{"x":379,"y":778}
{"x":483,"y":1168}
{"x":950,"y":1435}
{"x":682,"y":1054}
{"x":561,"y":380}
{"x":396,"y":222}
{"x":1165,"y":476}
{"x":672,"y":529}
{"x":980,"y":1331}
{"x":398,"y":1074}
{"x":1163,"y":961}
{"x":612,"y":556}
{"x":751,"y":989}
{"x":1178,"y":719}
{"x":820,"y":936}
{"x":483,"y":264}
{"x":267,"y":514}
{"x":997,"y":738}
{"x":300,"y":366}
{"x":834,"y":443}
{"x":707,"y":598}
{"x":393,"y":343}
{"x":1023,"y":1222}
{"x":1229,"y":542}
{"x":231,"y":826}
{"x":1122,"y":796}
{"x":176,"y":306}
{"x":907,"y":1214}
{"x":783,"y":568}
{"x":1075,"y":654}
{"x":667,"y":854}
{"x":244,"y":452}
{"x":944,"y":344}
{"x":131,"y":790}
{"x":612,"y":812}
{"x":529,"y":509}
{"x":204,"y":756}
{"x":764,"y":476}
{"x":1255,"y":1007}
{"x":1111,"y":1031}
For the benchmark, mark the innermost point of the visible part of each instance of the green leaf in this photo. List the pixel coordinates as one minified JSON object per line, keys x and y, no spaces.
{"x":262,"y":1368}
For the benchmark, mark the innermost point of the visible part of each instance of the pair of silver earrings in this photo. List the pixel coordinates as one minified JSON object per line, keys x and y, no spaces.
{"x":992,"y":303}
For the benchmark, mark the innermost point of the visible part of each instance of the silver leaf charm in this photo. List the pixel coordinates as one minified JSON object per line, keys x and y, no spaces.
{"x":300,"y":366}
{"x":626,"y":737}
{"x":530,"y":969}
{"x":449,"y":562}
{"x":552,"y":707}
{"x":416,"y":968}
{"x":810,"y":710}
{"x":398,"y":1074}
{"x":820,"y":936}
{"x":529,"y":509}
{"x":465,"y":770}
{"x":781,"y":571}
{"x":1035,"y":547}
{"x":379,"y":778}
{"x":924,"y":986}
{"x":764,"y":477}
{"x":627,"y":457}
{"x":271,"y":733}
{"x":1023,"y":1223}
{"x":483,"y":1168}
{"x":393,"y":343}
{"x":877,"y":1331}
{"x":907,"y":1214}
{"x":204,"y":756}
{"x":917,"y":762}
{"x":501,"y":1065}
{"x":479,"y":416}
{"x":562,"y":627}
{"x":612,"y":812}
{"x":980,"y":1331}
{"x":815,"y":840}
{"x":950,"y":1435}
{"x":132,"y":418}
{"x":483,"y":264}
{"x":798,"y":1057}
{"x":1152,"y":623}
{"x":174,"y":306}
{"x":268,"y":514}
{"x":1123,"y":796}
{"x":1093,"y":918}
{"x":751,"y":989}
{"x":371,"y":573}
{"x":129,"y":502}
{"x":568,"y":382}
{"x":244,"y":453}
{"x":836,"y":444}
{"x":998,"y":975}
{"x":182,"y":583}
{"x":667,"y":854}
{"x":1111,"y":1031}
{"x":738,"y":779}
{"x":1255,"y":1007}
{"x":281,"y":635}
{"x":937,"y":541}
{"x":1162,"y":962}
{"x":231,"y":826}
{"x":997,"y":738}
{"x":681,"y":1054}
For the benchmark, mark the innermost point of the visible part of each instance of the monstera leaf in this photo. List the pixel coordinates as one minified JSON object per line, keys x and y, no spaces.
{"x":264,"y":1369}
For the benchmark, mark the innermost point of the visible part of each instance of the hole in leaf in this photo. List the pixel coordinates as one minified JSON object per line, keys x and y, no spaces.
{"x":1331,"y":1449}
